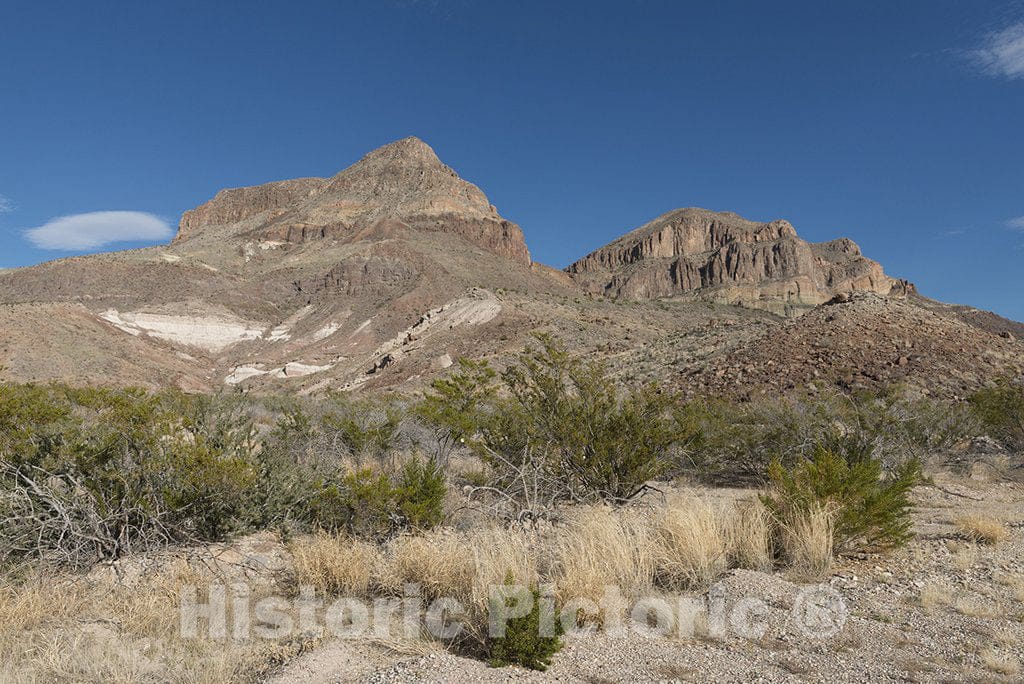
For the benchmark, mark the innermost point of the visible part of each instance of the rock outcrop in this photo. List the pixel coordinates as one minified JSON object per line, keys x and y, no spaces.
{"x":726,"y":258}
{"x":401,"y":186}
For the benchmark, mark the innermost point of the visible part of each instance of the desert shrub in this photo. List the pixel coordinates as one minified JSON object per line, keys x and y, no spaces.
{"x":1001,"y":410}
{"x":379,"y":504}
{"x":524,"y":642}
{"x":91,"y":474}
{"x":421,"y":493}
{"x":566,"y":432}
{"x":455,"y":407}
{"x":871,"y":508}
{"x":366,"y":430}
{"x":740,"y":440}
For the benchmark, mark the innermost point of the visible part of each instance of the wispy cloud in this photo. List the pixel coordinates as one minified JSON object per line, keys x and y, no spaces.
{"x":98,"y":228}
{"x":6,"y":205}
{"x":1016,"y":223}
{"x":1002,"y":52}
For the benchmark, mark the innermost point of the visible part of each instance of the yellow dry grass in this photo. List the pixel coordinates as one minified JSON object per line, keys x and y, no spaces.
{"x":1000,"y":662}
{"x":982,"y":529}
{"x":96,"y":630}
{"x":691,"y":542}
{"x":336,"y":565}
{"x":935,"y":597}
{"x":807,"y":542}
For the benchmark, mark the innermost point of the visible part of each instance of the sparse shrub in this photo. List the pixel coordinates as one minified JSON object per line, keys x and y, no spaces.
{"x":524,"y":642}
{"x":421,"y":493}
{"x":1001,"y":411}
{"x":364,"y":429}
{"x":567,"y":420}
{"x":455,"y":407}
{"x":92,"y":474}
{"x":871,"y":509}
{"x":369,"y":499}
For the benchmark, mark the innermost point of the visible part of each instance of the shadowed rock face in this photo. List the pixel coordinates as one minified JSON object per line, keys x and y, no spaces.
{"x":397,"y":187}
{"x":724,"y":257}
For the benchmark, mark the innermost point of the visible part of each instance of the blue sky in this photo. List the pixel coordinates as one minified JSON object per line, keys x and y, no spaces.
{"x":898,"y":124}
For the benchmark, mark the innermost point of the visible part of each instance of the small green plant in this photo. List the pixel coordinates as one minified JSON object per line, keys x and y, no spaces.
{"x":524,"y":641}
{"x":421,"y":493}
{"x":871,"y":508}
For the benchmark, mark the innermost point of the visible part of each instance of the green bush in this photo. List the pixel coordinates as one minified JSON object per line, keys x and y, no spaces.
{"x":522,"y":643}
{"x":457,"y":405}
{"x":871,"y":508}
{"x":739,"y":440}
{"x":378,"y":505}
{"x":1001,"y":411}
{"x":92,"y":474}
{"x":591,"y":440}
{"x":364,"y":429}
{"x":421,"y":493}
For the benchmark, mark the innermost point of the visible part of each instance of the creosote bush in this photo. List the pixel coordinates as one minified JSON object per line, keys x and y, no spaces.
{"x":868,"y":508}
{"x":561,"y":431}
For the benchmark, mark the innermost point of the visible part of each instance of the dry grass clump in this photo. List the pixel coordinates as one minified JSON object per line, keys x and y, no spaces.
{"x":497,"y":554}
{"x":982,"y":529}
{"x":995,"y":661}
{"x":935,"y":597}
{"x":807,"y":541}
{"x":977,"y":609}
{"x":691,"y":542}
{"x":95,"y":630}
{"x":440,"y":561}
{"x":600,"y":548}
{"x":750,"y":537}
{"x":336,"y":565}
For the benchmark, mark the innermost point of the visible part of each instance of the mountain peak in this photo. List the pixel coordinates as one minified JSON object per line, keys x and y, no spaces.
{"x":725,"y":257}
{"x":402,"y":182}
{"x":405,"y":150}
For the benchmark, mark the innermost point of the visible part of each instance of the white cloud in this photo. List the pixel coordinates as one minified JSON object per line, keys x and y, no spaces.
{"x":1002,"y":53}
{"x":1016,"y":223}
{"x":98,"y":228}
{"x":6,"y":205}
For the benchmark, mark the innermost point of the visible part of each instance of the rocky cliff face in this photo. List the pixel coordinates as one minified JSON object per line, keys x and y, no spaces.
{"x":401,"y":186}
{"x":726,"y":258}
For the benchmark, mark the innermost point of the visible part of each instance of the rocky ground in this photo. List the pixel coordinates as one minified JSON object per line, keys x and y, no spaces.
{"x":944,"y":608}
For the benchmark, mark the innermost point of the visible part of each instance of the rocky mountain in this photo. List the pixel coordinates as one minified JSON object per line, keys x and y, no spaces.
{"x":380,"y":276}
{"x":724,"y":257}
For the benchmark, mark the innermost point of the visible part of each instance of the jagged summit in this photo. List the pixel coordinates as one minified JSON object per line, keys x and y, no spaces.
{"x":725,"y":257}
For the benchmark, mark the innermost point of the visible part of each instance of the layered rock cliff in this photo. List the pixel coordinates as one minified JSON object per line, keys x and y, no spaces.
{"x":401,"y":186}
{"x":724,"y":257}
